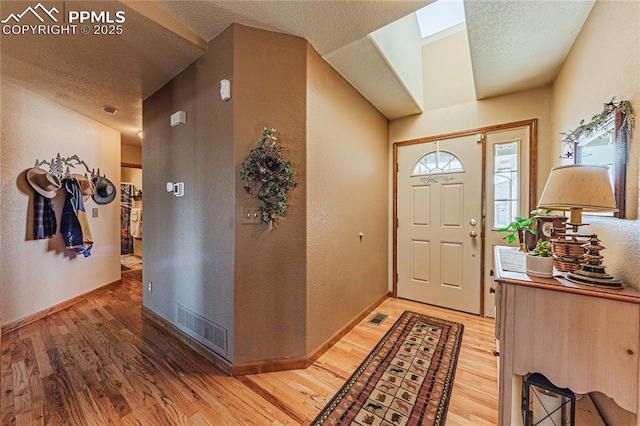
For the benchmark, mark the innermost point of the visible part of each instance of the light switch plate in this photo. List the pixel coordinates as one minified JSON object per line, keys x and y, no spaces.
{"x":250,"y":215}
{"x":94,"y":212}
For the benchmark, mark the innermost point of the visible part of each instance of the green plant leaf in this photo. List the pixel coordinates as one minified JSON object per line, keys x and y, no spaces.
{"x":267,"y":177}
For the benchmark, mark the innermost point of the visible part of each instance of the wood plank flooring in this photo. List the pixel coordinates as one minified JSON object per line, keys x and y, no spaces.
{"x":99,"y":363}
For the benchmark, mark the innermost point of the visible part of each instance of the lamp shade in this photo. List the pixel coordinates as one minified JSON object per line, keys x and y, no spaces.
{"x":578,"y":186}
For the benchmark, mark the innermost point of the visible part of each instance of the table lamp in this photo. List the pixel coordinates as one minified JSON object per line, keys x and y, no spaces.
{"x":581,"y":188}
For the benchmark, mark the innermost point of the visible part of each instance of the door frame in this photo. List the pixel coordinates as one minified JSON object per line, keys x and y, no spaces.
{"x":482,"y":133}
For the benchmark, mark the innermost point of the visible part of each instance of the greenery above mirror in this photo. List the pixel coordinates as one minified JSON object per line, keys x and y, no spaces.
{"x":598,"y":122}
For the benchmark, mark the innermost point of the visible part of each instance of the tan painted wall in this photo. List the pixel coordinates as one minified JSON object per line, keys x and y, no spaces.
{"x":35,"y":128}
{"x":535,"y":103}
{"x":347,"y":193}
{"x":131,"y":154}
{"x":447,"y":73}
{"x":604,"y":63}
{"x":263,"y":285}
{"x":131,"y":175}
{"x":189,"y":241}
{"x":269,"y":90}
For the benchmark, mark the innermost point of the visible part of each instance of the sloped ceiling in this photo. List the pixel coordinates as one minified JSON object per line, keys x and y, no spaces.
{"x":514,"y":45}
{"x":519,"y":45}
{"x":327,"y":25}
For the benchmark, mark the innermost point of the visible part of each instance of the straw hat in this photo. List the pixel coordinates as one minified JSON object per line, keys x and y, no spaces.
{"x":43,"y":182}
{"x":105,"y":190}
{"x":86,"y":186}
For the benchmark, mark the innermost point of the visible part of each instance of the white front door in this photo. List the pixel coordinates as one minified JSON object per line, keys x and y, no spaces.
{"x":439,"y":207}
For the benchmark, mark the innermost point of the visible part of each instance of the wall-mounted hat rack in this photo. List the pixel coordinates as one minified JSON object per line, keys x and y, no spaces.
{"x":61,"y":167}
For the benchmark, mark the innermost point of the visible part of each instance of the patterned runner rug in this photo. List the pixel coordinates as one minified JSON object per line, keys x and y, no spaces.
{"x":405,"y":380}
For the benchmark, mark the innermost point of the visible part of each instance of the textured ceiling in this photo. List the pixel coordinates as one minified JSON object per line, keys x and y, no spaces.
{"x":328,"y":25}
{"x":86,"y":72}
{"x":519,"y":45}
{"x":515,"y":45}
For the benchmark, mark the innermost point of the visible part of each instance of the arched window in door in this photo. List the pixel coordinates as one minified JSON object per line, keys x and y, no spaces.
{"x":437,"y":162}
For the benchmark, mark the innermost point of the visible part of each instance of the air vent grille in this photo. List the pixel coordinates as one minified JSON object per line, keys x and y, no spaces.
{"x":378,"y":318}
{"x":203,"y":330}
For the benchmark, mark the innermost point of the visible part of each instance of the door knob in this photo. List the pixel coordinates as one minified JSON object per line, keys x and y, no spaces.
{"x":473,"y":234}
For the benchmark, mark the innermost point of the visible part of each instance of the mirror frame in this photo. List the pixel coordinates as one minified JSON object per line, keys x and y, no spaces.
{"x":620,"y":143}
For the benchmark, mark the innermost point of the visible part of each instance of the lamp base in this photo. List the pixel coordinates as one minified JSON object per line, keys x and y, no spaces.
{"x":594,"y":276}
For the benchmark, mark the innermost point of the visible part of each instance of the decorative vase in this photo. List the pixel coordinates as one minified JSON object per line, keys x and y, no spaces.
{"x":539,"y":266}
{"x":522,"y":239}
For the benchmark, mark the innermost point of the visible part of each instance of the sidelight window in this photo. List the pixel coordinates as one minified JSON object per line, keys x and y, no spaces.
{"x":506,"y":196}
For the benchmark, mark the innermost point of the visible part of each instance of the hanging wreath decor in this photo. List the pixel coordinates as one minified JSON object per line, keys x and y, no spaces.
{"x":598,"y":122}
{"x":267,"y":177}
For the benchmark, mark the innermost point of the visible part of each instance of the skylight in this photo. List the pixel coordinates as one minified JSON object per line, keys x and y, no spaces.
{"x":439,"y":16}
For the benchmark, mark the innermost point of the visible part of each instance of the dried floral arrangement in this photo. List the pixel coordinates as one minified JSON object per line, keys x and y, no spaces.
{"x":598,"y":122}
{"x":267,"y":177}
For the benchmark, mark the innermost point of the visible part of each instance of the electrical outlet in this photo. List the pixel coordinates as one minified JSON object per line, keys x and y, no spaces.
{"x":250,"y":215}
{"x":150,"y":286}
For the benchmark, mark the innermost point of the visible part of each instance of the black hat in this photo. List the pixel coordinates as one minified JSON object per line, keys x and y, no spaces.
{"x":105,"y":190}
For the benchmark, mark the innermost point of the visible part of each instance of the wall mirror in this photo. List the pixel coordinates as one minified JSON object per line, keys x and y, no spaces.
{"x":607,"y":146}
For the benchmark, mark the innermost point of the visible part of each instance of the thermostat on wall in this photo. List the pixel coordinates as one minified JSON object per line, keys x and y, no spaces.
{"x":178,"y":118}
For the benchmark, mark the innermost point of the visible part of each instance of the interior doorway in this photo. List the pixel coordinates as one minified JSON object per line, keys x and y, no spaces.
{"x":131,"y":228}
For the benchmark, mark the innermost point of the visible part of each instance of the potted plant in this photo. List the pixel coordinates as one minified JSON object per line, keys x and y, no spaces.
{"x":540,"y":261}
{"x":522,"y":227}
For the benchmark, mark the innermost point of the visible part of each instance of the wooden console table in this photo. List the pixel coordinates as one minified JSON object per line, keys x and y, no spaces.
{"x":580,"y":337}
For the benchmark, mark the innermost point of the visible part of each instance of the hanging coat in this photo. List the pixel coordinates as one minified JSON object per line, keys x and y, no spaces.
{"x":74,"y":224}
{"x":44,"y":217}
{"x":136,"y":223}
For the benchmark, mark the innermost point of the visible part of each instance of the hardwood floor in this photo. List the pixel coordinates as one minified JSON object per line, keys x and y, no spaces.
{"x":99,"y":363}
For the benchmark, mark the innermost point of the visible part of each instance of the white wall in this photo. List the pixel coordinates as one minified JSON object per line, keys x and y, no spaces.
{"x":39,"y":274}
{"x":400,"y":42}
